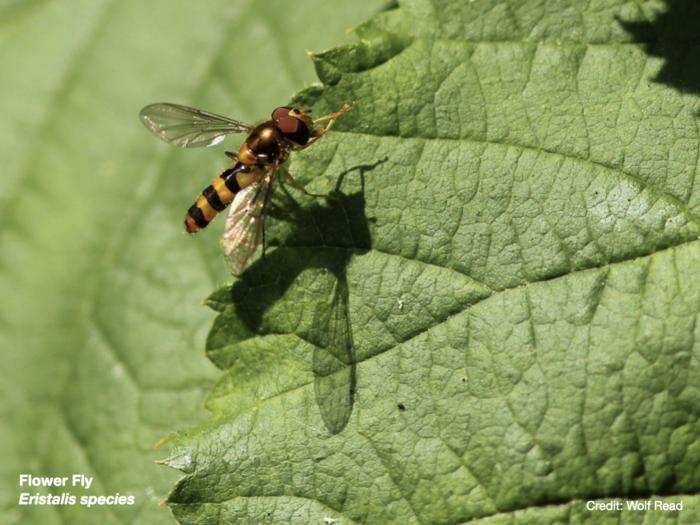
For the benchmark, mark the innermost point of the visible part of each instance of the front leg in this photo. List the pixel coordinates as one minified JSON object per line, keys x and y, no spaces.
{"x":319,"y":131}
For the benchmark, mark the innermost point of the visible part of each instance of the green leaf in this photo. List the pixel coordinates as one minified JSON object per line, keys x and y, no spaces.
{"x":101,"y":321}
{"x":495,"y":321}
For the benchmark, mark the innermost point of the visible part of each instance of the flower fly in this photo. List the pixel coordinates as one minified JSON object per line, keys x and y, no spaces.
{"x":248,"y":182}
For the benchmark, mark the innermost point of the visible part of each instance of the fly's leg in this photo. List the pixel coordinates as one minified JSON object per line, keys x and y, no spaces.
{"x":333,"y":116}
{"x":300,"y":187}
{"x":231,"y":155}
{"x":268,"y":194}
{"x":319,"y":131}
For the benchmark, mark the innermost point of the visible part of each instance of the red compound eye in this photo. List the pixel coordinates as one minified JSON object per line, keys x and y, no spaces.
{"x":280,"y":113}
{"x":292,"y":128}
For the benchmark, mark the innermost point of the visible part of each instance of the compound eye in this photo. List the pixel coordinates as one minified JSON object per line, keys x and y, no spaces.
{"x":280,"y":113}
{"x":293,"y":128}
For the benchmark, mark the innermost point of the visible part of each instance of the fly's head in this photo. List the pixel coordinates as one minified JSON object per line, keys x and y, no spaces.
{"x":295,"y":125}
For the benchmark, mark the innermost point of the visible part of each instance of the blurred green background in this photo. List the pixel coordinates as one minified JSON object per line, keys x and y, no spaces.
{"x":101,"y":319}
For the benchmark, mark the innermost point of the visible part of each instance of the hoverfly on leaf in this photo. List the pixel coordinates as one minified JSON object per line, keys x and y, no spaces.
{"x":248,"y":182}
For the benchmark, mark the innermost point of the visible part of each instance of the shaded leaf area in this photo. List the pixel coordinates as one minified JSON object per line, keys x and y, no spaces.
{"x":100,"y":290}
{"x":673,"y":36}
{"x":516,"y":225}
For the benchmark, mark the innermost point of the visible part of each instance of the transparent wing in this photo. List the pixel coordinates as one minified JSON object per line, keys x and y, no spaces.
{"x":245,"y":222}
{"x":188,"y":127}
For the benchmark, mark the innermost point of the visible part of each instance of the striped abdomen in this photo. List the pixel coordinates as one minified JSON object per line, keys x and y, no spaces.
{"x":216,"y":197}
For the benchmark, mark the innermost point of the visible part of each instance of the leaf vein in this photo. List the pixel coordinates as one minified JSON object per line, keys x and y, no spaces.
{"x":682,"y":206}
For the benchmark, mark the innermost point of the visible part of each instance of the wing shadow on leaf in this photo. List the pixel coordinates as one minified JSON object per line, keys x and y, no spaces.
{"x":341,"y":231}
{"x":334,"y":364}
{"x":673,"y":36}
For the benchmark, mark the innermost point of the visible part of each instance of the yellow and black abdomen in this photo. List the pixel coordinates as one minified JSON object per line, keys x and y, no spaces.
{"x":216,"y":197}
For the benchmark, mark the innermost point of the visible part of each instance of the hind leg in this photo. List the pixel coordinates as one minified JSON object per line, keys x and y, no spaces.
{"x":300,"y":187}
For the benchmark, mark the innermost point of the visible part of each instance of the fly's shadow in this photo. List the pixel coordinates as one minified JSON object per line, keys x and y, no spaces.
{"x":338,"y":231}
{"x":673,"y":36}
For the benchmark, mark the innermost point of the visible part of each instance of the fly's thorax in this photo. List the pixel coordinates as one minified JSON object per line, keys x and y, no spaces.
{"x":264,"y":145}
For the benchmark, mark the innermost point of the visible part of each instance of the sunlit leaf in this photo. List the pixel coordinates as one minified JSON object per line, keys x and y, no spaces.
{"x":516,"y":237}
